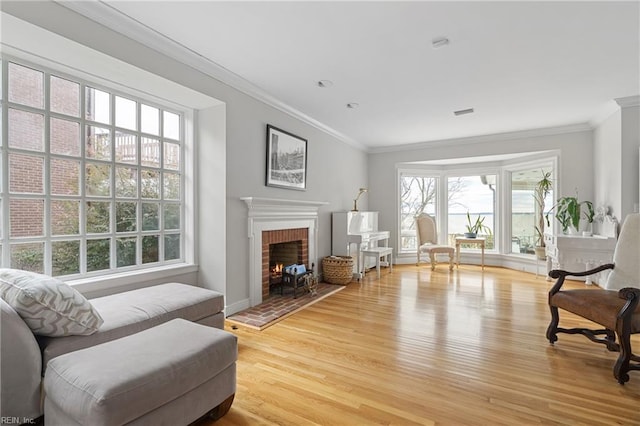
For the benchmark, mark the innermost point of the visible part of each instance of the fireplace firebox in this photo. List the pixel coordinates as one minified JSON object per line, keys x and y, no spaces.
{"x":281,"y":248}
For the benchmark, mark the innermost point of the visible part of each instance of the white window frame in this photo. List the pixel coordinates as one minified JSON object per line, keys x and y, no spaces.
{"x":502,"y":170}
{"x":187,"y":174}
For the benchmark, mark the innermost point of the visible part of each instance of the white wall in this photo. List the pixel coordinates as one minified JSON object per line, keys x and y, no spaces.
{"x":225,"y":172}
{"x":575,"y":167}
{"x":607,"y":173}
{"x":629,"y":164}
{"x":616,"y":171}
{"x":335,"y":171}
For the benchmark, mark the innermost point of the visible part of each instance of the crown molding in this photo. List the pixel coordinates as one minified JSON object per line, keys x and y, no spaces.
{"x":629,"y":101}
{"x":521,"y":134}
{"x":117,"y":21}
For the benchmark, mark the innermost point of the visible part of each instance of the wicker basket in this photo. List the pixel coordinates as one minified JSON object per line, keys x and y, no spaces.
{"x":337,"y":269}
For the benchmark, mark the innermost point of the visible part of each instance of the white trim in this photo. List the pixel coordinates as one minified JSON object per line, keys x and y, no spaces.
{"x":45,"y":48}
{"x":547,"y":131}
{"x":629,"y":101}
{"x":117,"y":21}
{"x":270,"y":214}
{"x":121,"y":281}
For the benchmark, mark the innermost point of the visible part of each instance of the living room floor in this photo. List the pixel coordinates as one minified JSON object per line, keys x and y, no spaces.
{"x":422,"y":347}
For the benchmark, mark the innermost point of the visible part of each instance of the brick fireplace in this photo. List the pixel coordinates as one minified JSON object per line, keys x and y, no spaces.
{"x":271,"y":219}
{"x":284,"y":246}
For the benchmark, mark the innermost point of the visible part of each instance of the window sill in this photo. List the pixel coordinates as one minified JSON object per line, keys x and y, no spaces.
{"x":113,"y":282}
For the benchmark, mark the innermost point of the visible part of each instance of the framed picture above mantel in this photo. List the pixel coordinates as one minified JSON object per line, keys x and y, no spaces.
{"x":286,"y":159}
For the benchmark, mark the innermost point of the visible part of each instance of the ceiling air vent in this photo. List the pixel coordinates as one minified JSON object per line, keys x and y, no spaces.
{"x":463,"y":111}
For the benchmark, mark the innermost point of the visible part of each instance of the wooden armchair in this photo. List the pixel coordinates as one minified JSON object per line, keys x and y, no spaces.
{"x":428,"y":241}
{"x":615,"y":308}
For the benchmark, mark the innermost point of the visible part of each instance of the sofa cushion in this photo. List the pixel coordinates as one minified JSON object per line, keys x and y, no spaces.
{"x":47,"y":305}
{"x":136,"y":310}
{"x":20,"y":368}
{"x":122,"y":380}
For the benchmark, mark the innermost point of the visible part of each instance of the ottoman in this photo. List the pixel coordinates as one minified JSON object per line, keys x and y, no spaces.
{"x":171,"y":374}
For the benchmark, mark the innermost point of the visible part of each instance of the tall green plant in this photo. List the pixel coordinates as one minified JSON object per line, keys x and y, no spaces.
{"x":543,"y":187}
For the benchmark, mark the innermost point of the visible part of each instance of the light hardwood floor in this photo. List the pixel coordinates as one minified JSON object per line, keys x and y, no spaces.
{"x":422,"y":347}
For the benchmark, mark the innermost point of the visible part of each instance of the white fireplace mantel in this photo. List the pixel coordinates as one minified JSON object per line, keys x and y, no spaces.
{"x":271,"y":214}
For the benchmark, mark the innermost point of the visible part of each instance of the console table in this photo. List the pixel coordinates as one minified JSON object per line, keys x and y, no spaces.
{"x":567,"y":251}
{"x":464,"y":240}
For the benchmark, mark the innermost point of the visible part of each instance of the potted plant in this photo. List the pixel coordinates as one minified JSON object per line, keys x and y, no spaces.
{"x":568,"y":211}
{"x":476,"y":226}
{"x":542,"y":189}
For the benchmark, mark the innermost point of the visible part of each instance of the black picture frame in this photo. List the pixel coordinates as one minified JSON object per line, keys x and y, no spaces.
{"x":286,"y":160}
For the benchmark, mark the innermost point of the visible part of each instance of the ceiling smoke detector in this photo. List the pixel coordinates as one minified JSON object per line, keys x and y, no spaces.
{"x":463,"y":111}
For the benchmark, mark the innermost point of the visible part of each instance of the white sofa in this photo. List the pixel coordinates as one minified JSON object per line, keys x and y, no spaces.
{"x":24,"y":356}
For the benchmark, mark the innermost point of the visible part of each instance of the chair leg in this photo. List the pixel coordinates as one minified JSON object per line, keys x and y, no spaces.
{"x":621,"y":367}
{"x":553,"y":325}
{"x":451,"y":261}
{"x":432,"y":257}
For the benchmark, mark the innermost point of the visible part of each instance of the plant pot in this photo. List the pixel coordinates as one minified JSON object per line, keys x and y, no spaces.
{"x":540,"y":253}
{"x":470,"y":234}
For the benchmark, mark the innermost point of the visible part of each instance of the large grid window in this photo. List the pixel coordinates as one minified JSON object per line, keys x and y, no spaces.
{"x":92,"y":179}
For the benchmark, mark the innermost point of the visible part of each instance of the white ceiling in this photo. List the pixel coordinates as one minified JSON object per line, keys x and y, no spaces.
{"x":520,"y":65}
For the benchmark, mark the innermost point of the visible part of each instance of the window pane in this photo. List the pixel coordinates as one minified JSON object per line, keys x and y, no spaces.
{"x":126,"y":217}
{"x":126,"y":148}
{"x":65,"y":217}
{"x":26,"y":130}
{"x":26,"y":174}
{"x":26,"y":86}
{"x":417,"y":195}
{"x":65,"y":257}
{"x":65,"y":177}
{"x":126,"y":182}
{"x":171,"y":125}
{"x":150,"y":250}
{"x":524,"y":209}
{"x":149,"y":119}
{"x":65,"y":137}
{"x":98,"y":217}
{"x":98,"y":179}
{"x":172,"y":247}
{"x":171,"y":156}
{"x":28,"y":257}
{"x":97,"y":104}
{"x":98,"y":143}
{"x":171,"y":186}
{"x":475,"y":195}
{"x":150,"y":181}
{"x":98,"y":254}
{"x":150,"y":152}
{"x":26,"y":217}
{"x":126,"y":114}
{"x":65,"y":96}
{"x":126,"y":251}
{"x":171,"y":216}
{"x":150,"y":216}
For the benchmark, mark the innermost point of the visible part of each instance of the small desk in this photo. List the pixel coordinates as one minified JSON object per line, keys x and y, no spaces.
{"x":465,"y":240}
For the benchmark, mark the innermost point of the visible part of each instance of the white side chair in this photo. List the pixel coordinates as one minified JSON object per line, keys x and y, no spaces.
{"x":428,"y":241}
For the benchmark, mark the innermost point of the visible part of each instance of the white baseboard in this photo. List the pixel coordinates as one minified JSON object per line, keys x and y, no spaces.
{"x":237,"y":307}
